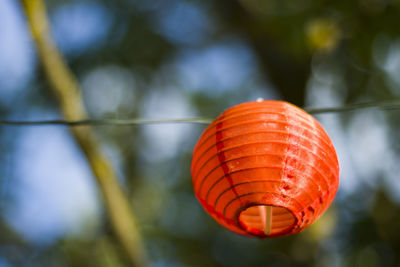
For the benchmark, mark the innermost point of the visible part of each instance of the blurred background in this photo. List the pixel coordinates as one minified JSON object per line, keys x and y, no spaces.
{"x":179,"y":59}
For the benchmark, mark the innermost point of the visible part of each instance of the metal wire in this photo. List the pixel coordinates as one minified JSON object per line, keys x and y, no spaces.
{"x":386,"y":105}
{"x":99,"y":122}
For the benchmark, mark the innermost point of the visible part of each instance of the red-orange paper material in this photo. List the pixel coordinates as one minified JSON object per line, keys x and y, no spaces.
{"x":265,"y":168}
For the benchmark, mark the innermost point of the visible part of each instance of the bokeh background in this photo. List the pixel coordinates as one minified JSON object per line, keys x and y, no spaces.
{"x":179,"y":59}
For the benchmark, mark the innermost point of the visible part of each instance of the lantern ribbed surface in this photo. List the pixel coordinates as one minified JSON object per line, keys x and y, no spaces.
{"x":265,"y":168}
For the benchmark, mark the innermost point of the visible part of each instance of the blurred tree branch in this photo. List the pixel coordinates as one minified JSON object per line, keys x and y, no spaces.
{"x":66,"y":88}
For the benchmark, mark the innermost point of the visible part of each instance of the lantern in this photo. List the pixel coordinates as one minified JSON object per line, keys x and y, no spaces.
{"x":265,"y":169}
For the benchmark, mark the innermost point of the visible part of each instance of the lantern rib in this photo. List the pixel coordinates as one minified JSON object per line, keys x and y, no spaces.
{"x":256,"y":122}
{"x":221,"y":158}
{"x":278,"y":181}
{"x":333,"y":160}
{"x":232,"y":138}
{"x":226,"y":161}
{"x":331,"y":170}
{"x":222,"y":178}
{"x":266,"y":131}
{"x":252,"y":182}
{"x":227,"y":149}
{"x":213,"y":212}
{"x":281,"y":221}
{"x":319,"y":145}
{"x":270,"y":110}
{"x":298,"y":204}
{"x":294,"y":114}
{"x":270,"y":120}
{"x":255,"y":218}
{"x":294,"y":157}
{"x":275,"y":214}
{"x":235,"y":222}
{"x":234,"y":172}
{"x":227,"y":117}
{"x":242,"y":170}
{"x":272,"y":141}
{"x":234,"y":185}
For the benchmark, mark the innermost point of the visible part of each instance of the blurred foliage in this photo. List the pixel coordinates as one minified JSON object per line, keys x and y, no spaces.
{"x":175,"y":58}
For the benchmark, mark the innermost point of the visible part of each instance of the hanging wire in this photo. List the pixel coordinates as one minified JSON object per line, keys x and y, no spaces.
{"x":386,"y":105}
{"x":98,"y":122}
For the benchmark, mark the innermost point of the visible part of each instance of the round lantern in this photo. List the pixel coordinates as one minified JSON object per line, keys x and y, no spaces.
{"x":265,"y":168}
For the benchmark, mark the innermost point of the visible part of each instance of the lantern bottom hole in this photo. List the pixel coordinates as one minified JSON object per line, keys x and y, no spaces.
{"x":266,"y":220}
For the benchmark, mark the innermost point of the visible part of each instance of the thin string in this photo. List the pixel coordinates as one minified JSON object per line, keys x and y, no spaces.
{"x":385,"y":105}
{"x":99,"y":122}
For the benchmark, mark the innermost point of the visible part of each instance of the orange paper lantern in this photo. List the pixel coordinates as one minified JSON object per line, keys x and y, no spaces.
{"x":265,"y":168}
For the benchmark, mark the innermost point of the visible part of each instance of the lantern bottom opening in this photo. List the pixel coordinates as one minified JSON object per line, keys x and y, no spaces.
{"x":266,"y":220}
